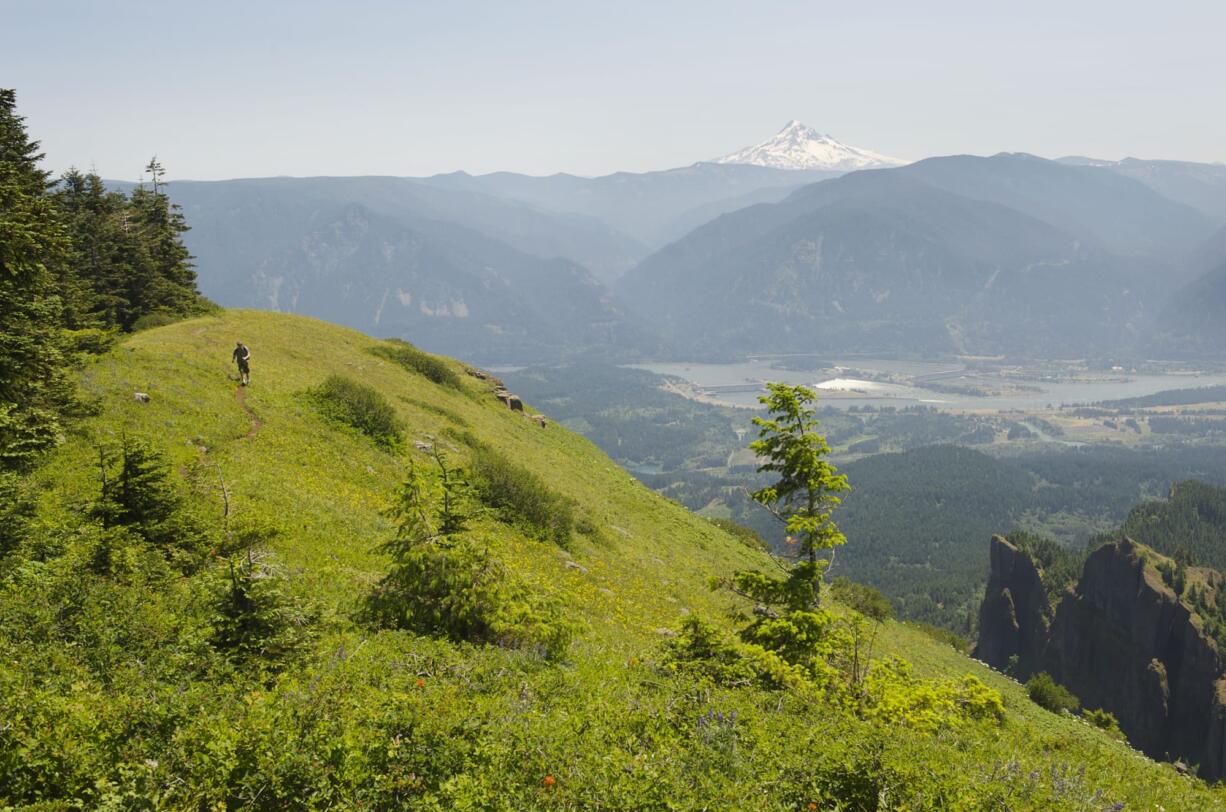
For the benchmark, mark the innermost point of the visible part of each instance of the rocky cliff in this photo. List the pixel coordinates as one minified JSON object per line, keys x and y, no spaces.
{"x":1121,"y":640}
{"x":1014,"y":619}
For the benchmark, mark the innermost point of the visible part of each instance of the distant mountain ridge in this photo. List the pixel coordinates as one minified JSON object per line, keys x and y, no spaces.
{"x":653,"y":208}
{"x":1199,"y":185}
{"x":452,"y":270}
{"x":798,"y":146}
{"x":1008,"y":254}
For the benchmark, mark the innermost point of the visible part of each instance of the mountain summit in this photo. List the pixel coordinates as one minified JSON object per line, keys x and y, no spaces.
{"x":797,"y":146}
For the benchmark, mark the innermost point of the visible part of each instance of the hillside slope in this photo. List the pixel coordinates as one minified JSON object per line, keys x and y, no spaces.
{"x":1192,"y":318}
{"x":880,"y":261}
{"x":464,"y":273}
{"x":280,"y":459}
{"x":114,"y":698}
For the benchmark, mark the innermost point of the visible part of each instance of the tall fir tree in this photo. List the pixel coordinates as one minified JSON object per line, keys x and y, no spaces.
{"x":167,"y":282}
{"x":91,"y":282}
{"x":34,"y":387}
{"x":127,"y":255}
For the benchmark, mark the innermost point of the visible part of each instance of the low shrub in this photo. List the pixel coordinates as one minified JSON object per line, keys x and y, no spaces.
{"x":864,"y":599}
{"x":949,"y":638}
{"x":521,"y":498}
{"x":1047,"y":693}
{"x":1104,"y":721}
{"x":746,"y":535}
{"x":90,"y":341}
{"x":360,"y":407}
{"x":158,"y":318}
{"x":894,"y":695}
{"x":406,"y":355}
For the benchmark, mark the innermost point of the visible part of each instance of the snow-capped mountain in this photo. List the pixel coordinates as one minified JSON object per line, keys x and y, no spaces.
{"x":799,"y":147}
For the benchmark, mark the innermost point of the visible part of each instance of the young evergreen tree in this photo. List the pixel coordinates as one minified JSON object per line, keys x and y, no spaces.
{"x":34,"y":388}
{"x":135,"y":489}
{"x":444,"y":582}
{"x":256,"y":617}
{"x":787,"y":618}
{"x":137,"y":494}
{"x":808,"y":487}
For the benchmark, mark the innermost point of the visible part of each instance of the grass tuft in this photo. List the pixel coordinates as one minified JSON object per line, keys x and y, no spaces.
{"x":414,"y":360}
{"x":522,"y":498}
{"x":360,"y":407}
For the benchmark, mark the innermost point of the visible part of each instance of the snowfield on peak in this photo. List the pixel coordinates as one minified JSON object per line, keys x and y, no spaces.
{"x":799,"y":147}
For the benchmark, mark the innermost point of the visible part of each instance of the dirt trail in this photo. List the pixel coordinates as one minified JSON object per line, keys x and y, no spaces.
{"x":240,"y":396}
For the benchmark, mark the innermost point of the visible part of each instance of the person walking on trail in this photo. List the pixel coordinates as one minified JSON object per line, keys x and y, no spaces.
{"x":242,"y":356}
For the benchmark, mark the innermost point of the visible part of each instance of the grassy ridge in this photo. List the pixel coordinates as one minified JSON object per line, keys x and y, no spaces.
{"x":389,"y":720}
{"x":330,"y":485}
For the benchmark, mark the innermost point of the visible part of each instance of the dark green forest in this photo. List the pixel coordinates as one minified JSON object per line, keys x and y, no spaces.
{"x":920,"y":520}
{"x":1190,"y":523}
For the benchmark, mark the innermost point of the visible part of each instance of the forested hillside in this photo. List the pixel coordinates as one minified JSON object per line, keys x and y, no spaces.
{"x":918,"y":518}
{"x":1190,"y":524}
{"x":937,"y":258}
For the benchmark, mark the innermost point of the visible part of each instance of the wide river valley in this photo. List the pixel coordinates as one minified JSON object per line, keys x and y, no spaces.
{"x":739,"y":384}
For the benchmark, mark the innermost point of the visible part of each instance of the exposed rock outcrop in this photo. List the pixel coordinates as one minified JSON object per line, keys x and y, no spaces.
{"x":1014,"y":619}
{"x":1121,"y":640}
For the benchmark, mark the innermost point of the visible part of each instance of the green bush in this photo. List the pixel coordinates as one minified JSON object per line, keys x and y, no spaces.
{"x":256,"y":619}
{"x":521,"y":498}
{"x":1104,"y":721}
{"x":90,"y":341}
{"x":158,"y":318}
{"x":360,"y":407}
{"x":1047,"y":693}
{"x":941,"y":635}
{"x":746,"y":535}
{"x":414,"y":360}
{"x":864,"y":599}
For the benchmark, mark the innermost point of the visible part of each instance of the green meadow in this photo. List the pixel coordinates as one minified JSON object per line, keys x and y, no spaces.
{"x":113,"y":697}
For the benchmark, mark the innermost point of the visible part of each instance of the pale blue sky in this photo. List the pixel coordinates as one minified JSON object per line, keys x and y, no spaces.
{"x":233,"y":89}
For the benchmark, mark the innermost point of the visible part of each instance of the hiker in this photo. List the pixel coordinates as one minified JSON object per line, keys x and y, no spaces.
{"x":241,"y":356}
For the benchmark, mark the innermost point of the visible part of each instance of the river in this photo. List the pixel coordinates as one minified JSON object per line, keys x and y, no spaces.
{"x":844,"y":391}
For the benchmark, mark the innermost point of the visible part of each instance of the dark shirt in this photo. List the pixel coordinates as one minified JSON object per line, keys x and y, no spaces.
{"x":241,"y":355}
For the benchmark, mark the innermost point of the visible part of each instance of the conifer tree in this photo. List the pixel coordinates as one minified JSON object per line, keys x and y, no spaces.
{"x":96,"y":287}
{"x":138,"y":493}
{"x":808,"y":485}
{"x":787,"y":618}
{"x":34,"y":388}
{"x":166,"y":280}
{"x":257,"y":619}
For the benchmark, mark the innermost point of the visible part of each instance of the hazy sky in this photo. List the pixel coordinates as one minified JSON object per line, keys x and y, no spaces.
{"x":233,"y":89}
